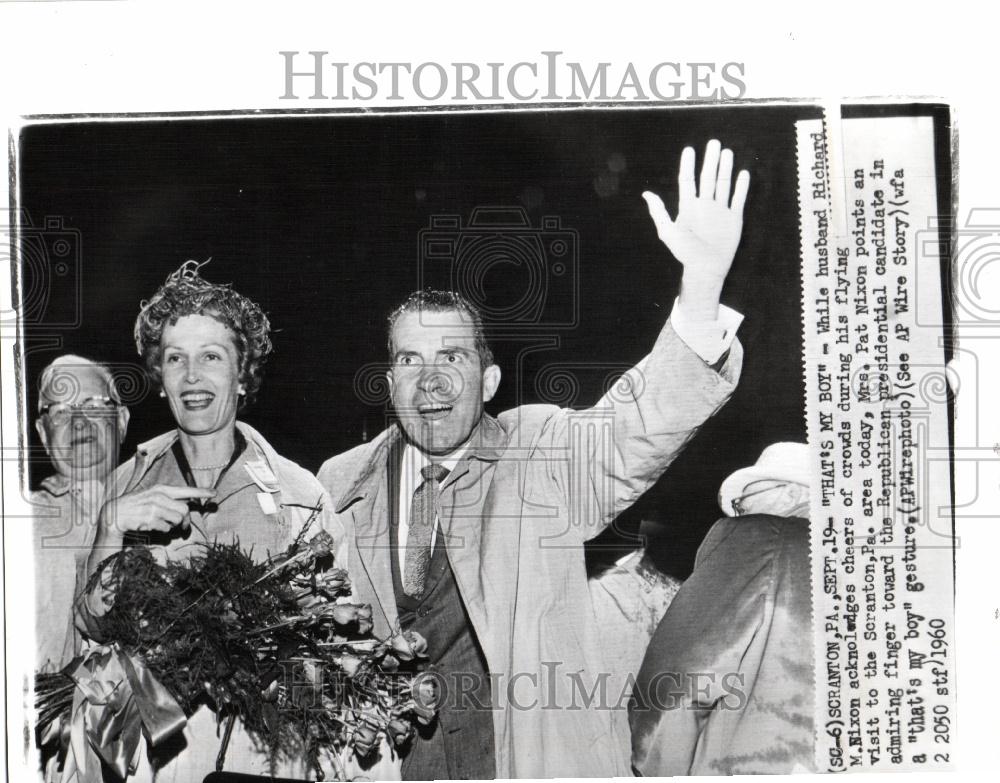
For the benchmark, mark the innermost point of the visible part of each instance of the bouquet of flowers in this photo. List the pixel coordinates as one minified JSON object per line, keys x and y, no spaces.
{"x":274,"y":644}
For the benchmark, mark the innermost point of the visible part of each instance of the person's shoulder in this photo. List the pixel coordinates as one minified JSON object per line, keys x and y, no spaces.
{"x":342,"y":467}
{"x":775,"y":528}
{"x":42,"y":499}
{"x":39,"y":497}
{"x":291,"y":476}
{"x":121,"y":477}
{"x":290,"y":472}
{"x":353,"y":454}
{"x":755,"y":532}
{"x":126,"y":467}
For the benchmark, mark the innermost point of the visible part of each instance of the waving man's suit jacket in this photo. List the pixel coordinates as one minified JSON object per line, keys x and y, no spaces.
{"x":515,"y":512}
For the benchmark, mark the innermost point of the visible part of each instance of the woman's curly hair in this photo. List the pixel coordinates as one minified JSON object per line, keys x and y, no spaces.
{"x":186,"y":292}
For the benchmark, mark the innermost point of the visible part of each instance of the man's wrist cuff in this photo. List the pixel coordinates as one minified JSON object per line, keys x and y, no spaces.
{"x":709,"y":339}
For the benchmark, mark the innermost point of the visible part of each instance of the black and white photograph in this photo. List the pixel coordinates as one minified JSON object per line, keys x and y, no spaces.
{"x":587,"y":434}
{"x":589,"y":318}
{"x":568,"y":342}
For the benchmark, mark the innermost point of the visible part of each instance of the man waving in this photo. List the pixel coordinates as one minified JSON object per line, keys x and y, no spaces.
{"x":470,"y":528}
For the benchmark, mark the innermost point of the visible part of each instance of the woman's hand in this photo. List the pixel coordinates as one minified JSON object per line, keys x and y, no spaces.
{"x":161,"y":508}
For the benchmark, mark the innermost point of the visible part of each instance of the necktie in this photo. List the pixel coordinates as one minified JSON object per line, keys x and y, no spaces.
{"x":423,"y":516}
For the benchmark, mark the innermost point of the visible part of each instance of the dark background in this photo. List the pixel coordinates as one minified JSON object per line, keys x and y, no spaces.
{"x":319,"y":218}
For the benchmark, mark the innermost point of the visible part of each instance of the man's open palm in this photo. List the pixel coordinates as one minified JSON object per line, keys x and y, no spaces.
{"x":707,"y":230}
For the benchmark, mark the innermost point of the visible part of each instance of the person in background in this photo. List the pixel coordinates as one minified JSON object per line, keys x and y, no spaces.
{"x":82,"y":424}
{"x":630,"y":598}
{"x":726,"y":686}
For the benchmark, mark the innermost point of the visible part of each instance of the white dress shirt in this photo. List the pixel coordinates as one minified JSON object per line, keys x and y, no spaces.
{"x":708,"y":339}
{"x":410,"y":479}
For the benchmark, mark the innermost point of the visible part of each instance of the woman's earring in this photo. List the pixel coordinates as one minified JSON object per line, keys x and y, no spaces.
{"x":163,"y":393}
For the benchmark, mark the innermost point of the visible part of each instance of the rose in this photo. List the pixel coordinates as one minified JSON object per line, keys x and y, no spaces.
{"x":408,"y":645}
{"x":312,"y":671}
{"x":341,"y":614}
{"x":418,"y":644}
{"x":333,"y":581}
{"x":364,"y":619}
{"x":424,"y":703}
{"x":345,"y":614}
{"x":310,"y":603}
{"x":321,"y":544}
{"x":400,"y":730}
{"x":350,"y":664}
{"x":425,"y":690}
{"x":330,"y":583}
{"x":364,"y":739}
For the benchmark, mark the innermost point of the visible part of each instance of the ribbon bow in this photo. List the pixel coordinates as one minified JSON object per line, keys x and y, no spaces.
{"x":116,"y":701}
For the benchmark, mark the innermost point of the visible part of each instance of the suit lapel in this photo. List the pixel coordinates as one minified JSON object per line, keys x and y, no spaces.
{"x":465,"y":501}
{"x":371,"y":523}
{"x":368,"y":504}
{"x":465,"y":495}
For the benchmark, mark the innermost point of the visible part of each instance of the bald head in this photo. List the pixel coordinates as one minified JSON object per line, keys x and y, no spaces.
{"x":61,"y":381}
{"x":81,"y":420}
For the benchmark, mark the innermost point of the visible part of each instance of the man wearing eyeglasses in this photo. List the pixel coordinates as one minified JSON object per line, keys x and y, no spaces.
{"x":726,"y":686}
{"x":82,"y":424}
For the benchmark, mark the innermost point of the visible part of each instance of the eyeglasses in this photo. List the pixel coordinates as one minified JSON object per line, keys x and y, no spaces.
{"x":60,"y":413}
{"x":739,"y":504}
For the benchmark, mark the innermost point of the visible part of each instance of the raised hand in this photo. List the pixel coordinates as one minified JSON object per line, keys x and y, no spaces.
{"x":707,"y":230}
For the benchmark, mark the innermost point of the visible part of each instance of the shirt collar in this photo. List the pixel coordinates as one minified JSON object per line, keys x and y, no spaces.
{"x":414,"y":460}
{"x":258,"y":461}
{"x":488,"y":444}
{"x":58,"y":485}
